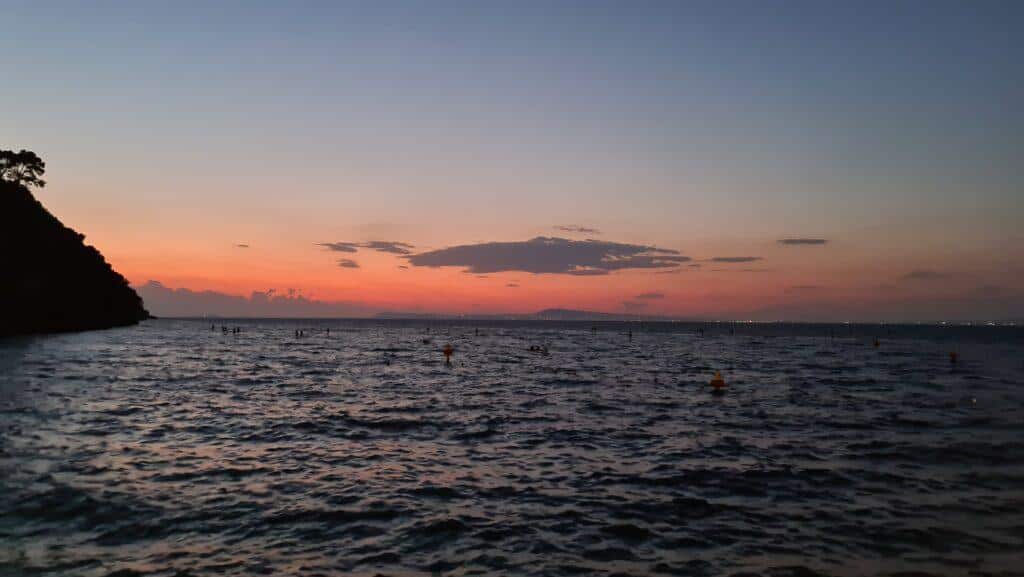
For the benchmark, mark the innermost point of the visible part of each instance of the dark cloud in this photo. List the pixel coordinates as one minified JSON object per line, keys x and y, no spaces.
{"x":403,"y":267}
{"x":802,"y":241}
{"x":576,"y":229}
{"x":650,"y":296}
{"x":926,"y":274}
{"x":734,"y":259}
{"x":241,"y":245}
{"x":388,"y":246}
{"x":742,"y":270}
{"x":339,"y":246}
{"x":545,"y":255}
{"x":347,"y":263}
{"x":512,"y":285}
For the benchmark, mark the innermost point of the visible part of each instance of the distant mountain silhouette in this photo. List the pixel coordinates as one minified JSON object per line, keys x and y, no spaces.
{"x":543,"y":315}
{"x":578,"y":315}
{"x":182,"y":302}
{"x":50,"y":280}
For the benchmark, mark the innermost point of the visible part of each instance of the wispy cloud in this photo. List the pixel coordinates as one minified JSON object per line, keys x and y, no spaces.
{"x":388,"y":246}
{"x":545,"y":255}
{"x":805,"y":288}
{"x":650,"y":296}
{"x":926,"y":274}
{"x":347,"y":263}
{"x":241,"y":245}
{"x":798,"y":241}
{"x":512,"y":285}
{"x":690,"y":267}
{"x":576,"y":229}
{"x":734,"y":259}
{"x":339,"y":246}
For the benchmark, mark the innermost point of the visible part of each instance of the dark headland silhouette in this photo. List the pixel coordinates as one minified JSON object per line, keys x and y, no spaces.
{"x":50,"y":280}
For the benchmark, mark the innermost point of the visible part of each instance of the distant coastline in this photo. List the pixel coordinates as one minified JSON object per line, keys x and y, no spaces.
{"x":421,"y":318}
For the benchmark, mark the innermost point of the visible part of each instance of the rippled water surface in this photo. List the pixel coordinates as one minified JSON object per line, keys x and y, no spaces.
{"x":171,"y":449}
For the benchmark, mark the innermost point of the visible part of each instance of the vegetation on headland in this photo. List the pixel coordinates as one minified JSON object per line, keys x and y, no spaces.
{"x":50,"y":280}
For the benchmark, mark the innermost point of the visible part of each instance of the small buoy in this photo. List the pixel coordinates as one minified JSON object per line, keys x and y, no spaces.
{"x":953,"y":357}
{"x":877,"y":343}
{"x":718,"y":383}
{"x":448,"y":350}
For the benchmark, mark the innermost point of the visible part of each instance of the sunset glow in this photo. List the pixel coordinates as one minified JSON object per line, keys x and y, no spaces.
{"x":282,"y":128}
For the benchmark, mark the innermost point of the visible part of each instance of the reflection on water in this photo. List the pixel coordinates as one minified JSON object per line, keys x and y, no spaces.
{"x":170,"y":449}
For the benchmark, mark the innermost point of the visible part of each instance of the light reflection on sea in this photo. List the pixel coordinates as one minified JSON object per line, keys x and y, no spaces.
{"x":171,"y":449}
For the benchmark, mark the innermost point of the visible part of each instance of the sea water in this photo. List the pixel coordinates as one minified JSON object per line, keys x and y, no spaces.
{"x":542,"y":449}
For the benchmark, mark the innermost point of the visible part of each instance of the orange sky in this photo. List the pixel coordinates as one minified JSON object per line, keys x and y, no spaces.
{"x":663,"y":125}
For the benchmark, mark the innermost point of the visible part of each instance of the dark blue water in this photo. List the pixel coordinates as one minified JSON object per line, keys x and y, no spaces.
{"x":168,"y":449}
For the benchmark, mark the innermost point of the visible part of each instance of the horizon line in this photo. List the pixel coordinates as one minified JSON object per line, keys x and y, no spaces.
{"x":528,"y":317}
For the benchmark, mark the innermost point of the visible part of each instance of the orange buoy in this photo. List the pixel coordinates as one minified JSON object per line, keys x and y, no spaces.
{"x":877,"y":343}
{"x":448,"y":350}
{"x":718,"y":383}
{"x":953,"y":357}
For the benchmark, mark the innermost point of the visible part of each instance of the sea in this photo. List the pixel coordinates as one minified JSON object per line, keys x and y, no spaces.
{"x":350,"y":447}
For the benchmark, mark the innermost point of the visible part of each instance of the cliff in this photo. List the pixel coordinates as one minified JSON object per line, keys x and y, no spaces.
{"x":50,"y":280}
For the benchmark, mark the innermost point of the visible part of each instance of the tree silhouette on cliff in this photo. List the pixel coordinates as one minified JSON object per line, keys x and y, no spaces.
{"x":50,"y":280}
{"x":22,"y":167}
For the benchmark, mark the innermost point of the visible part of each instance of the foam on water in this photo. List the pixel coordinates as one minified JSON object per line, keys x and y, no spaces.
{"x":168,"y":449}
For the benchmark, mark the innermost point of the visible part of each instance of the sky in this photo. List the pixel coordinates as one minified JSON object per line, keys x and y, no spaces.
{"x":742,"y":160}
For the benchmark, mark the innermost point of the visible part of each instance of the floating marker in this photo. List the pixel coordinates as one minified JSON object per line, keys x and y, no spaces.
{"x":877,"y":343}
{"x":953,"y":357}
{"x":448,"y":350}
{"x":718,"y":383}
